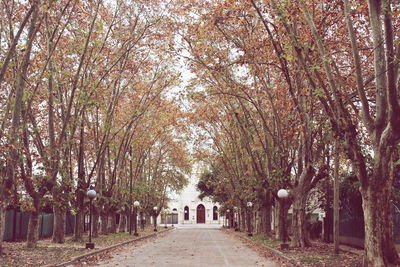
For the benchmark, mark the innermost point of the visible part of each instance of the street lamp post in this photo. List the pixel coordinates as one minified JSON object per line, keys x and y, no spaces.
{"x":283,"y":194}
{"x":91,"y":195}
{"x":249,"y":228}
{"x":136,"y":204}
{"x":155,"y":208}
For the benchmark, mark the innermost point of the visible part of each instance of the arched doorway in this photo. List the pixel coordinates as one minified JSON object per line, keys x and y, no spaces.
{"x":174,"y":216}
{"x":215,"y":213}
{"x":201,"y":214}
{"x":186,"y":213}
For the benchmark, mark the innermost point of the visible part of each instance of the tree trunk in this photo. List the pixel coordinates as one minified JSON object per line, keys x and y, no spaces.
{"x":33,"y":225}
{"x":257,"y":222}
{"x":276,"y":220}
{"x":266,"y":218}
{"x":328,"y":214}
{"x":379,"y":241}
{"x":282,"y":229}
{"x":95,"y":218}
{"x":148,"y":219}
{"x":8,"y":180}
{"x":81,"y":184}
{"x":2,"y":225}
{"x":243,"y":220}
{"x":300,"y":236}
{"x":78,"y":233}
{"x":59,"y":225}
{"x":104,"y":223}
{"x":113,"y":223}
{"x":122,"y":222}
{"x":249,"y":222}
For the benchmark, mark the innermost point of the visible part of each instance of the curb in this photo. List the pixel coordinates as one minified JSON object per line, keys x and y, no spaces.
{"x":93,"y":253}
{"x":273,"y":251}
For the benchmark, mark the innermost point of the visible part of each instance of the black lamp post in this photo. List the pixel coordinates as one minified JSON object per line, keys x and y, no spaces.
{"x":249,"y":228}
{"x":91,"y":195}
{"x":283,"y":194}
{"x":155,"y":218}
{"x":136,"y":204}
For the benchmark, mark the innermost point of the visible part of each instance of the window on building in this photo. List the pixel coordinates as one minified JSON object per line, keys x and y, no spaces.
{"x":186,"y":211}
{"x":215,"y":213}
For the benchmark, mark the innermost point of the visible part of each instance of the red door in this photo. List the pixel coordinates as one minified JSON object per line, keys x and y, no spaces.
{"x":201,"y":214}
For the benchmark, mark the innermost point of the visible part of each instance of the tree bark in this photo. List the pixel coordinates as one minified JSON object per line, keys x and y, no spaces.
{"x":283,"y":208}
{"x":300,"y":236}
{"x":243,"y":220}
{"x":113,"y":223}
{"x":8,"y":179}
{"x":378,"y":222}
{"x":266,"y":215}
{"x":336,"y":201}
{"x":122,"y":222}
{"x":59,"y":225}
{"x":78,"y":231}
{"x":33,"y":225}
{"x":104,"y":224}
{"x":328,"y":214}
{"x":81,"y":186}
{"x":95,"y":218}
{"x":2,"y":225}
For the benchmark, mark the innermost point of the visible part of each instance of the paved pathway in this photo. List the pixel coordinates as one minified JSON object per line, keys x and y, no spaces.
{"x":193,"y":247}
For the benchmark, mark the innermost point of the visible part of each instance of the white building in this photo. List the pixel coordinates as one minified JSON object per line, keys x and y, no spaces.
{"x":192,"y":210}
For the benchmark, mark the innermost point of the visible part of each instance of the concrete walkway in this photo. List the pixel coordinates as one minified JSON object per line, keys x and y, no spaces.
{"x":193,"y":247}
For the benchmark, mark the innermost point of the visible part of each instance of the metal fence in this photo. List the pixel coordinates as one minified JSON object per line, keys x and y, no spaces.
{"x":16,"y":225}
{"x":169,"y":219}
{"x":352,"y":225}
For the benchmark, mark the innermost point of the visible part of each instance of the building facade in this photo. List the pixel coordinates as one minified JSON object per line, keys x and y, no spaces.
{"x":191,"y":209}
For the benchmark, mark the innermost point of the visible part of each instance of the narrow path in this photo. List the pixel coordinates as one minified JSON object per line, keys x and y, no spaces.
{"x":193,"y":247}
